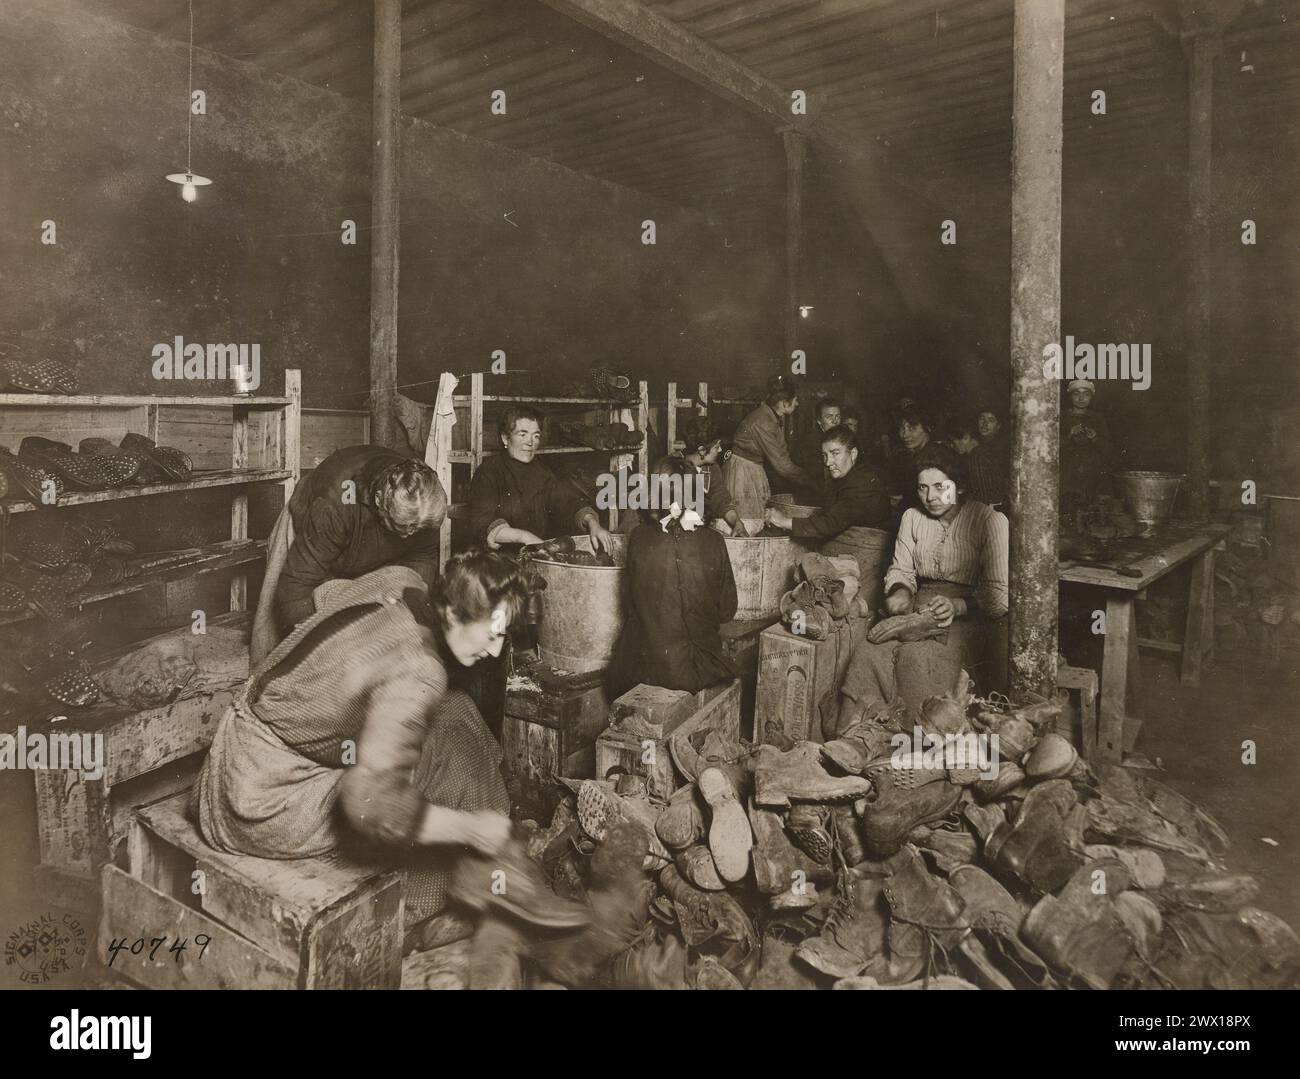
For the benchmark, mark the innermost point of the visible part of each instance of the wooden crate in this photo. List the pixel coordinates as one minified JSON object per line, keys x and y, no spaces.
{"x":1078,"y":722}
{"x":638,"y":752}
{"x":550,"y":731}
{"x":740,"y":641}
{"x":799,"y":679}
{"x":308,"y":923}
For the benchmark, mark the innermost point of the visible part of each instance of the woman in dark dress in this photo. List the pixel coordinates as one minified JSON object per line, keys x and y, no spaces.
{"x":680,"y":591}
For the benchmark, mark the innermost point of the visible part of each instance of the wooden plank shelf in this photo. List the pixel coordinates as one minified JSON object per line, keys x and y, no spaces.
{"x":219,"y":478}
{"x":226,"y":554}
{"x":95,"y":400}
{"x":594,"y":402}
{"x":464,"y":457}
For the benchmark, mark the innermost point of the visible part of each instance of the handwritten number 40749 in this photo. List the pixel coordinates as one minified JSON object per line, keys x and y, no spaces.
{"x":136,"y":947}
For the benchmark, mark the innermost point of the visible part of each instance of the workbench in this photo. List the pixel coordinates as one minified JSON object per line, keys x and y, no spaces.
{"x":1155,"y":558}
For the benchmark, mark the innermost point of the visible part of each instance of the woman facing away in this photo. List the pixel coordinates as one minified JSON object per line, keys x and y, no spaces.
{"x":348,"y":730}
{"x":947,"y":584}
{"x":680,"y":591}
{"x":760,"y":446}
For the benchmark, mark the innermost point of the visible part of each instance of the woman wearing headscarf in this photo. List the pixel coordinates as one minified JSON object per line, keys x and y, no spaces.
{"x":1085,"y":445}
{"x":361,"y":508}
{"x":760,"y":446}
{"x":946,"y":593}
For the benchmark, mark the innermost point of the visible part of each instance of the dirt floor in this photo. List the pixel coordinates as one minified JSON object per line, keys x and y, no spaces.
{"x":1195,"y":734}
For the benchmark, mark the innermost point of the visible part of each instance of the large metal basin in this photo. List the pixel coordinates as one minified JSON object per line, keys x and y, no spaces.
{"x":1149,"y":496}
{"x":582,"y":610}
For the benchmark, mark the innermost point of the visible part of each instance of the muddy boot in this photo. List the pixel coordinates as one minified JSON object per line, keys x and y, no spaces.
{"x":681,"y":823}
{"x":848,"y":837}
{"x":696,"y":865}
{"x":442,"y":929}
{"x":779,"y":866}
{"x":730,"y":837}
{"x":1035,"y":848}
{"x":1079,"y":932}
{"x":996,"y":916}
{"x":853,"y":936}
{"x":926,"y":914}
{"x":897,"y":809}
{"x":917,"y":626}
{"x":807,"y":825}
{"x":798,"y":776}
{"x":494,"y":954}
{"x":856,"y":747}
{"x":512,"y":883}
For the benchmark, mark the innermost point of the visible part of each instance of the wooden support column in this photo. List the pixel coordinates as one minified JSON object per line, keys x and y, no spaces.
{"x":385,"y":177}
{"x":1202,"y":46}
{"x":794,"y":155}
{"x":1035,"y":322}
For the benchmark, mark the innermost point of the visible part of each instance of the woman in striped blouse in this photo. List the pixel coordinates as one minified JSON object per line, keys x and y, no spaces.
{"x":950,"y":562}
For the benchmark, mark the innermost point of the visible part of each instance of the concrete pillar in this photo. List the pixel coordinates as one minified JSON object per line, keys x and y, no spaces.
{"x":1202,"y":46}
{"x":1035,"y":322}
{"x":385,"y":178}
{"x":794,"y":155}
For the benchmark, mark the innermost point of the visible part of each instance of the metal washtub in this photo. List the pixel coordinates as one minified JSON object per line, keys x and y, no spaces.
{"x":1149,"y":496}
{"x":764,"y":568}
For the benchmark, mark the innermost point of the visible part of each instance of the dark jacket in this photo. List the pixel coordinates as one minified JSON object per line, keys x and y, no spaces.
{"x":680,"y":591}
{"x":527,"y":496}
{"x":857,"y":499}
{"x":338,"y":533}
{"x":761,"y":438}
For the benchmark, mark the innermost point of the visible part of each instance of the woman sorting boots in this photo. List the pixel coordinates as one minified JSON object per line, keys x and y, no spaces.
{"x":680,"y":591}
{"x":946,"y":595}
{"x":855,"y":495}
{"x":348,"y":730}
{"x":759,"y":446}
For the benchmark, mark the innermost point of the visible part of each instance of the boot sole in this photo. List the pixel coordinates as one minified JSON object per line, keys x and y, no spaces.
{"x":730,"y":837}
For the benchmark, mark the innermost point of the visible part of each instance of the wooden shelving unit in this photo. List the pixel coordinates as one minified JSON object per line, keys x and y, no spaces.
{"x":284,"y":443}
{"x":636,"y":416}
{"x":699,"y":403}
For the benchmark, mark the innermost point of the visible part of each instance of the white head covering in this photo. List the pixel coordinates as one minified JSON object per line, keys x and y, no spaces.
{"x":1082,"y":384}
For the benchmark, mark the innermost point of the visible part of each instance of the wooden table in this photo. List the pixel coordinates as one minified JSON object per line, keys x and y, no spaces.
{"x":1120,"y":669}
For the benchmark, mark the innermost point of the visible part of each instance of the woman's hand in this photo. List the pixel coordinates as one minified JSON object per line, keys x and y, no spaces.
{"x":899,"y":601}
{"x":945,"y":610}
{"x":777,"y":519}
{"x":486,"y":831}
{"x":600,"y":538}
{"x":738,"y":528}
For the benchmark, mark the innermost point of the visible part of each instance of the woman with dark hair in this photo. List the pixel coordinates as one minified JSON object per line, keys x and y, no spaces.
{"x":348,"y":731}
{"x":914,"y":428}
{"x":760,"y":445}
{"x":361,"y":508}
{"x":680,"y":591}
{"x":946,"y":591}
{"x":855,"y":495}
{"x":700,"y":453}
{"x":515,"y":499}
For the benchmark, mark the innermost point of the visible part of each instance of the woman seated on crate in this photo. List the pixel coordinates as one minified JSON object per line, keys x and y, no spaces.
{"x":700,"y":454}
{"x":347,"y":732}
{"x":946,"y":597}
{"x":515,"y":499}
{"x":361,"y":508}
{"x":760,"y":445}
{"x":680,"y":591}
{"x":855,"y":496}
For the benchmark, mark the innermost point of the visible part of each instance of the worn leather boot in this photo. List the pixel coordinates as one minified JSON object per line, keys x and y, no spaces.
{"x":1080,"y":932}
{"x":599,"y":807}
{"x":925,"y":913}
{"x":803,"y":616}
{"x":917,"y":626}
{"x":798,"y":776}
{"x":848,"y":837}
{"x":896,"y":810}
{"x":681,"y":823}
{"x":494,"y":954}
{"x":730,"y":838}
{"x":779,"y":866}
{"x":697,"y":866}
{"x":993,"y":912}
{"x":1035,"y":848}
{"x":512,"y":883}
{"x":857,"y":747}
{"x":853,"y":935}
{"x":807,"y":825}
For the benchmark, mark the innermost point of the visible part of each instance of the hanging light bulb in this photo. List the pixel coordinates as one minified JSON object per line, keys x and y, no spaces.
{"x":190,"y":183}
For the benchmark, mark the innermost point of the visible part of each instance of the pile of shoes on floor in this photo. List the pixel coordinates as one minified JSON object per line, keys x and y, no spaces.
{"x":860,"y":863}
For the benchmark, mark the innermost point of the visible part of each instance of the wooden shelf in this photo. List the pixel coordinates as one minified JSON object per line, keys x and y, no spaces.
{"x":220,"y":478}
{"x":464,"y":457}
{"x":595,"y":402}
{"x":226,"y":554}
{"x":94,"y":400}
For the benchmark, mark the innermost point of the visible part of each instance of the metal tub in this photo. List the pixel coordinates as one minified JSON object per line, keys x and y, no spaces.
{"x":764,"y":569}
{"x":1149,"y":496}
{"x":582,"y":610}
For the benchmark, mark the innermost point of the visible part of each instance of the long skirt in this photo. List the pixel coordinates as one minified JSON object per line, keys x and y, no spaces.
{"x":256,"y":795}
{"x":881,"y":675}
{"x":748,"y":484}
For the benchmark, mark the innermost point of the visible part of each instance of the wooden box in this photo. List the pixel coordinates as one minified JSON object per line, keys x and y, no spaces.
{"x":1078,"y":721}
{"x":147,"y":755}
{"x":550,"y":729}
{"x":631,"y":749}
{"x":799,"y":679}
{"x":309,"y":923}
{"x":740,"y":641}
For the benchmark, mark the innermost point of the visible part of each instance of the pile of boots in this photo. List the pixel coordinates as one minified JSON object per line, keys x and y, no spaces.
{"x":827,"y":593}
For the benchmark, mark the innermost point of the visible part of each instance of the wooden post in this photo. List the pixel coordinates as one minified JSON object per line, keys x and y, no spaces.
{"x":1202,"y":46}
{"x":385,"y":176}
{"x":1035,"y":322}
{"x":794,"y":151}
{"x":643,"y":425}
{"x":239,"y":504}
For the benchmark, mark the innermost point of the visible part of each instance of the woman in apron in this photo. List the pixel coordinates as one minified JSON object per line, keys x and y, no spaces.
{"x":760,"y":445}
